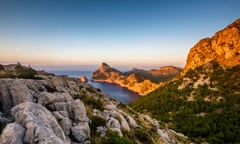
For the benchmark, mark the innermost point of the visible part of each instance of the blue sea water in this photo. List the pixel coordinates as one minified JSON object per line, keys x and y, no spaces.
{"x":115,"y":91}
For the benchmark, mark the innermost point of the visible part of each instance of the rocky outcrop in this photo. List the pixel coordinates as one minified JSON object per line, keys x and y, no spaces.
{"x":223,"y":47}
{"x":83,"y":78}
{"x":12,"y":134}
{"x":44,"y":109}
{"x":60,"y":110}
{"x":137,"y":80}
{"x":41,"y":126}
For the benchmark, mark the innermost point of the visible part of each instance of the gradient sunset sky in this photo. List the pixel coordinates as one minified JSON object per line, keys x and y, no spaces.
{"x":81,"y":34}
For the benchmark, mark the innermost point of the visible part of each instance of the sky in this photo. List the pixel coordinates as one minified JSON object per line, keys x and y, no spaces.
{"x":81,"y":34}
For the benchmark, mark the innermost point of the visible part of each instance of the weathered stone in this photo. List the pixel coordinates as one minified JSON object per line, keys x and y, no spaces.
{"x":20,"y":92}
{"x":113,"y":123}
{"x":12,"y":134}
{"x":41,"y":126}
{"x":63,"y":120}
{"x":14,"y":92}
{"x":80,"y":132}
{"x":132,"y":123}
{"x":122,"y":120}
{"x":77,"y":111}
{"x":48,"y":98}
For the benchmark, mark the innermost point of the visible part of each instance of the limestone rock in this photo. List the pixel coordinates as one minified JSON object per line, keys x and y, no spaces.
{"x":122,"y":120}
{"x":223,"y":47}
{"x":81,"y":132}
{"x":12,"y":134}
{"x":132,"y":123}
{"x":40,"y":124}
{"x":77,"y":111}
{"x":13,"y":92}
{"x":113,"y":123}
{"x":46,"y":98}
{"x":63,"y":120}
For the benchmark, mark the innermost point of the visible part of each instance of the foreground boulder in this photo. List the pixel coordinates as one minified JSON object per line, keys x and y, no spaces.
{"x":12,"y":134}
{"x":41,"y":126}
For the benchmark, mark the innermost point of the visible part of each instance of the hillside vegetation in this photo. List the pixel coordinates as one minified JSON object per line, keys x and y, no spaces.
{"x":204,"y":104}
{"x":204,"y":101}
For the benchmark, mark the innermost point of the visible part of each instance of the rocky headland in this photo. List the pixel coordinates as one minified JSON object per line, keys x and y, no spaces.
{"x":137,"y":80}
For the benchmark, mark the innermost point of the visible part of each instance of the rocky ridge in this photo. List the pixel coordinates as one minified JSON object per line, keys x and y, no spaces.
{"x":137,"y":80}
{"x":57,"y":109}
{"x":223,"y":47}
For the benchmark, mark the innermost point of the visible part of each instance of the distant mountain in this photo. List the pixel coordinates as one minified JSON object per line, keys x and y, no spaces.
{"x":204,"y":101}
{"x":137,"y":80}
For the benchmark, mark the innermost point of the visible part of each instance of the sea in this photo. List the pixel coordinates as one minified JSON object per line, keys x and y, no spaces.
{"x":113,"y":90}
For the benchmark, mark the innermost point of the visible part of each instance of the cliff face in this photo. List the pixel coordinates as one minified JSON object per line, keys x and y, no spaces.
{"x":223,"y":47}
{"x":46,"y":109}
{"x":137,"y":80}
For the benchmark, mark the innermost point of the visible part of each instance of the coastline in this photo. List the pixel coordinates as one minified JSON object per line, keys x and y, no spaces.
{"x":116,"y":84}
{"x":132,"y":89}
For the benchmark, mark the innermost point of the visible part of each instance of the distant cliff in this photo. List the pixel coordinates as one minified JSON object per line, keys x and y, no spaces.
{"x":137,"y":80}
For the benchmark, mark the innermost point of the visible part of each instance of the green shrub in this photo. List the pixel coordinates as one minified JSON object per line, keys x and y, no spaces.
{"x":90,"y":101}
{"x":1,"y":67}
{"x":113,"y":138}
{"x":96,"y":121}
{"x":143,"y":136}
{"x":50,"y":89}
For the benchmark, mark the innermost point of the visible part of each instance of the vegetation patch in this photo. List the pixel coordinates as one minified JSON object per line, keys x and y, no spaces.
{"x":113,"y":138}
{"x":206,"y":117}
{"x":90,"y":101}
{"x":50,"y":89}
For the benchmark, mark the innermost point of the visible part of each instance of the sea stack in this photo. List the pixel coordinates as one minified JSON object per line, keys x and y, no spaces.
{"x":83,"y":78}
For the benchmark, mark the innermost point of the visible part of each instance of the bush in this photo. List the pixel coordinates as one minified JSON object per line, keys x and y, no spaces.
{"x":96,"y":121}
{"x":90,"y":101}
{"x":1,"y":67}
{"x":143,"y":136}
{"x":113,"y":138}
{"x":50,"y":89}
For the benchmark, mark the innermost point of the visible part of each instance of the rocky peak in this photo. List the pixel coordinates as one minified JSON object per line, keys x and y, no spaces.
{"x":106,"y":68}
{"x":223,"y":47}
{"x":83,"y":78}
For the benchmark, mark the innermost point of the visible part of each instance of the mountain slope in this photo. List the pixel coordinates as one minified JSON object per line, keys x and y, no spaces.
{"x":137,"y":80}
{"x":204,"y":102}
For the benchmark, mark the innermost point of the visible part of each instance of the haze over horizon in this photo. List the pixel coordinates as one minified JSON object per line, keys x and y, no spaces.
{"x":61,"y":34}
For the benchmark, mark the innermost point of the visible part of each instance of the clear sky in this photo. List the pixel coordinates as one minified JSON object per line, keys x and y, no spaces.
{"x":81,"y":34}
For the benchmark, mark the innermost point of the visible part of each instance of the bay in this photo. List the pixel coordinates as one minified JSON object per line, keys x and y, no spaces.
{"x":113,"y":90}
